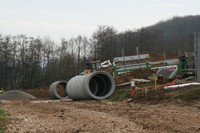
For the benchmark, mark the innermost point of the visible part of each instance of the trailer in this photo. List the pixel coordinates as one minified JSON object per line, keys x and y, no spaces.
{"x":130,"y":63}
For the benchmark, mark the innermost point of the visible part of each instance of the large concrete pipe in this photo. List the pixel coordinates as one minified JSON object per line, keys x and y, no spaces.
{"x":53,"y":92}
{"x":97,"y":85}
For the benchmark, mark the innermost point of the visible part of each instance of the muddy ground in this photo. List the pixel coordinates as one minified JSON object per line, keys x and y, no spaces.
{"x":92,"y":116}
{"x":165,"y":111}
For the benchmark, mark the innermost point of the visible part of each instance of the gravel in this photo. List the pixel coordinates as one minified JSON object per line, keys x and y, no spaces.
{"x":16,"y":95}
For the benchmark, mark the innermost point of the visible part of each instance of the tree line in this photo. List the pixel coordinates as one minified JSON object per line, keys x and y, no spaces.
{"x":28,"y":62}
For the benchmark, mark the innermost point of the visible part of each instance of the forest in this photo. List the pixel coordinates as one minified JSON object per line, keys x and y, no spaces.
{"x":27,"y":62}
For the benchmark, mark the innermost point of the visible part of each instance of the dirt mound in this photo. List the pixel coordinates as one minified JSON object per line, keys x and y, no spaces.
{"x":41,"y":93}
{"x":155,"y":56}
{"x":16,"y":95}
{"x":127,"y":77}
{"x":108,"y":69}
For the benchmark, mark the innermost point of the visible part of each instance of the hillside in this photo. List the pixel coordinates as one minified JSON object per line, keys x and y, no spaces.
{"x":178,"y":31}
{"x":178,"y":27}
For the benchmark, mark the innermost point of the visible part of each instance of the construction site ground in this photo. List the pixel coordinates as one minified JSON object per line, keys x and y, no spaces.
{"x":101,"y":116}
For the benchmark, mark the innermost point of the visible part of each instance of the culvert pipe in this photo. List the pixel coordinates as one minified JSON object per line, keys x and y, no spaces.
{"x":53,"y":90}
{"x":97,"y":85}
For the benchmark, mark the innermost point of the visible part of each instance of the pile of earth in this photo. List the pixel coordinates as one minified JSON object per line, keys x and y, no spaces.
{"x":16,"y":95}
{"x":127,"y":77}
{"x":154,"y":56}
{"x":43,"y":92}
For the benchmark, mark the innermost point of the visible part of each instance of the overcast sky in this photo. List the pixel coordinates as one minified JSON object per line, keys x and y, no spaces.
{"x":69,"y":18}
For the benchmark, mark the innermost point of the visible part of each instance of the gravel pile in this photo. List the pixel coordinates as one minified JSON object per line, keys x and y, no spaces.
{"x":16,"y":95}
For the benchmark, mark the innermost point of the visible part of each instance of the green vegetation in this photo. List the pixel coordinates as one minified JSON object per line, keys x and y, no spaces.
{"x":3,"y":120}
{"x":186,"y":94}
{"x":121,"y":94}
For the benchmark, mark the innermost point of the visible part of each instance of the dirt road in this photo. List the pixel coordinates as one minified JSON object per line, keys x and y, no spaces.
{"x":101,"y":117}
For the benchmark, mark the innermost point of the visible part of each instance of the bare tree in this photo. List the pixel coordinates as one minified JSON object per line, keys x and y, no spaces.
{"x":104,"y":39}
{"x":48,"y":58}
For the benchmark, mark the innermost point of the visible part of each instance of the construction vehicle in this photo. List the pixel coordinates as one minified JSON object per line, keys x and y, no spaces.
{"x":92,"y":66}
{"x":130,"y":63}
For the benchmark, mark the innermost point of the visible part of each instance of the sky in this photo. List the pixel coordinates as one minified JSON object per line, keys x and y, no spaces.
{"x":69,"y":18}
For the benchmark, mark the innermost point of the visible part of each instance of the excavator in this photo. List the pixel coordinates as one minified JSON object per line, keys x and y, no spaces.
{"x":91,"y":66}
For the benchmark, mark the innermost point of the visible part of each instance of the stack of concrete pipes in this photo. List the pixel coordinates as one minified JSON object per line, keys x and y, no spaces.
{"x":97,"y":85}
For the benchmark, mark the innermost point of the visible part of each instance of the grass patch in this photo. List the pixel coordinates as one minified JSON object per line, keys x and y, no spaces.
{"x":3,"y":120}
{"x":120,"y":94}
{"x":186,"y":94}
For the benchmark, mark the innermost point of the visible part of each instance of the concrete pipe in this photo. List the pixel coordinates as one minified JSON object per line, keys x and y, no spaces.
{"x":97,"y":85}
{"x":53,"y":90}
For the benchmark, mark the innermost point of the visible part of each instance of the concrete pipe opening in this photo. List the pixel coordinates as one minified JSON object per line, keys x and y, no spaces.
{"x":97,"y":85}
{"x":57,"y":90}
